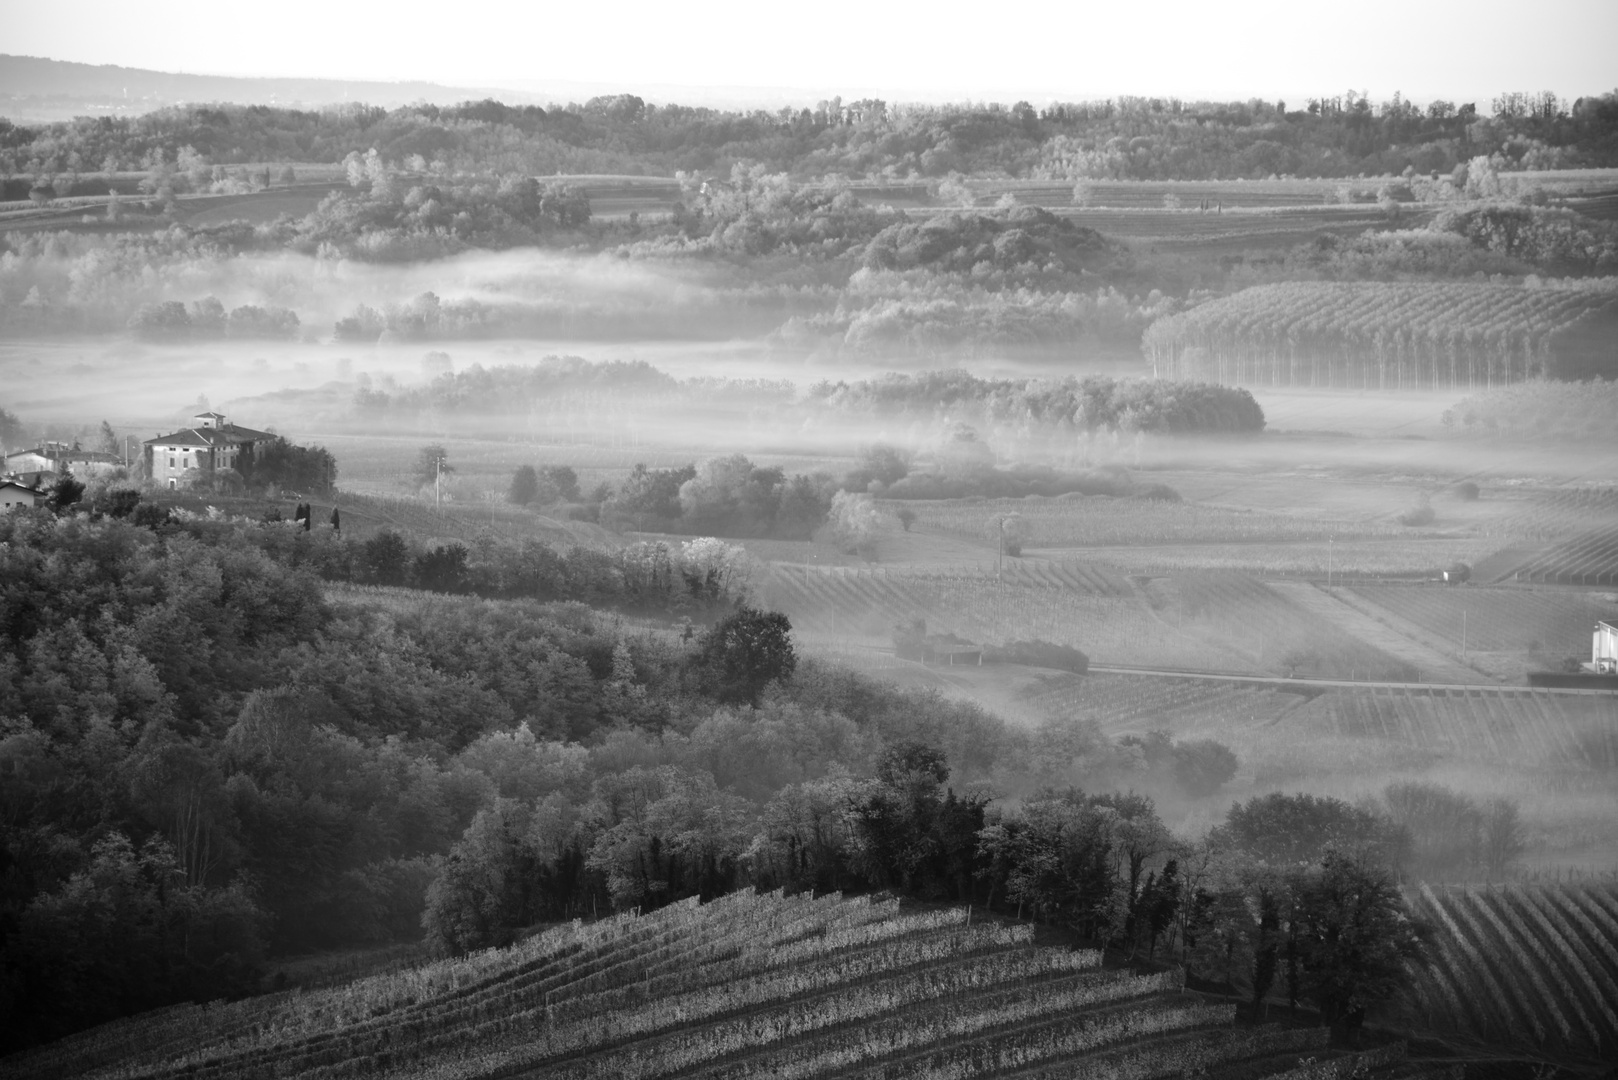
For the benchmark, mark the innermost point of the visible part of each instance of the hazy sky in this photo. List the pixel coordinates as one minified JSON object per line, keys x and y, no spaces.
{"x":1188,"y":48}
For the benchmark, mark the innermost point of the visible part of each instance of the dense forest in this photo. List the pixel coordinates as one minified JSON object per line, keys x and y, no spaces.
{"x":216,"y":754}
{"x":1123,"y":138}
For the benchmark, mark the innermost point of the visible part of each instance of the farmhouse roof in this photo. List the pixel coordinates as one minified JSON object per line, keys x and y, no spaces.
{"x":19,"y":485}
{"x":224,"y":435}
{"x":62,"y":453}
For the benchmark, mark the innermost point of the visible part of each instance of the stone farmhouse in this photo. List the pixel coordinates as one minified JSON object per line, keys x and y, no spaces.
{"x":212,"y":445}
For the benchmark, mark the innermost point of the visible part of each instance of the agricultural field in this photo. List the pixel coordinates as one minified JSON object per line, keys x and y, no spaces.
{"x":1535,"y":729}
{"x":1554,"y":753}
{"x":1587,"y":559}
{"x":1529,"y":966}
{"x":745,"y":986}
{"x":1203,"y":620}
{"x":1087,"y":608}
{"x":1071,"y":521}
{"x":1272,"y":630}
{"x":1414,"y":556}
{"x":1184,"y":707}
{"x":1506,"y":628}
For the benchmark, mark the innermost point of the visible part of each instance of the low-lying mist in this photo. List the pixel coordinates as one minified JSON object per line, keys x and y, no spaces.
{"x":662,"y":398}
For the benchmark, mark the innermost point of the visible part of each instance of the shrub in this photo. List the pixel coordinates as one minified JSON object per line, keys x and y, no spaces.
{"x":1203,"y":766}
{"x":1037,"y":653}
{"x":1466,"y":491}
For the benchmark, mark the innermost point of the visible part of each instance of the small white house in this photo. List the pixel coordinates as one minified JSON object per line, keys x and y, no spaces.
{"x":1604,"y":649}
{"x":13,"y":495}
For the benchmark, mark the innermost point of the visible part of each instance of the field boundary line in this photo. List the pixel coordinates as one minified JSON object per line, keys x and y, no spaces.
{"x":1321,"y":602}
{"x":1398,"y":624}
{"x":1334,"y":684}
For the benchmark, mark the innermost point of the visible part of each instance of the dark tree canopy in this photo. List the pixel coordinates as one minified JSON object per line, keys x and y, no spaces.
{"x":745,"y":652}
{"x":524,"y":486}
{"x":1355,"y":937}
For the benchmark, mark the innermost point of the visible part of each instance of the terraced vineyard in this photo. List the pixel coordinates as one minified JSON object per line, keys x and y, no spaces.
{"x":1590,"y":558}
{"x":1527,"y":965}
{"x":745,"y":986}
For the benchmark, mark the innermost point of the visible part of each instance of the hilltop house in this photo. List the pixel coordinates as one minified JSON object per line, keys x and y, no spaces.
{"x":212,"y":445}
{"x":14,"y":494}
{"x":57,"y":458}
{"x":1604,"y":649}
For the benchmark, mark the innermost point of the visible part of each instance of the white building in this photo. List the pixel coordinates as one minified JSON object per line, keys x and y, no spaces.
{"x":1604,"y":649}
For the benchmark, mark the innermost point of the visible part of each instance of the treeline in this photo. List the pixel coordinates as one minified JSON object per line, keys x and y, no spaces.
{"x":207,"y":319}
{"x":725,"y":496}
{"x":1554,"y":239}
{"x":1540,"y":410}
{"x":963,"y":242}
{"x":515,"y":389}
{"x":732,"y":496}
{"x":1088,"y":404}
{"x":1136,"y":138}
{"x":406,"y":218}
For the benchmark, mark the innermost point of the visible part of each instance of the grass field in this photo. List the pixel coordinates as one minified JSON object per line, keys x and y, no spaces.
{"x":746,"y":986}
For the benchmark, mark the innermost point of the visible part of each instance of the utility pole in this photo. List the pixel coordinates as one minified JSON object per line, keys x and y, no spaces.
{"x":1328,"y":562}
{"x":438,"y":473}
{"x":1000,"y":555}
{"x":1463,"y":635}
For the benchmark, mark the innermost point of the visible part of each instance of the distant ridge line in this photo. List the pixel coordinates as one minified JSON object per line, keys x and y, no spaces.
{"x":34,"y":77}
